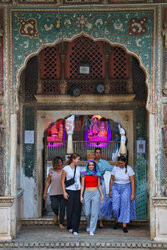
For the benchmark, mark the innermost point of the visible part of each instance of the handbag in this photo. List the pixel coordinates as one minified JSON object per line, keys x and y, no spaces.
{"x":70,"y":181}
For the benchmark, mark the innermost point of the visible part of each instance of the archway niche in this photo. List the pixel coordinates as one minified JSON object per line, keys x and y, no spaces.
{"x":112,"y":85}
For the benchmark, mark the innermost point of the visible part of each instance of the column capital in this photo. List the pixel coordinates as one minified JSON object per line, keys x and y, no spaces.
{"x":7,"y":201}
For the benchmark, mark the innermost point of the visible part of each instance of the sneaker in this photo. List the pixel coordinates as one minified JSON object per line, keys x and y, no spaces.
{"x":125,"y":230}
{"x":91,"y":234}
{"x":88,"y":229}
{"x":116,"y":225}
{"x":70,"y":230}
{"x":75,"y":233}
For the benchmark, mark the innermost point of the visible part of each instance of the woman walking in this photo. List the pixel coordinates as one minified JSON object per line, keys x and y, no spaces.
{"x":71,"y":186}
{"x":56,"y":192}
{"x":91,"y":184}
{"x":121,"y":205}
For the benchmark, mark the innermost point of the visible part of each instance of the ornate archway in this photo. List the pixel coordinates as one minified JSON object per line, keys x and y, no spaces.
{"x":31,"y":40}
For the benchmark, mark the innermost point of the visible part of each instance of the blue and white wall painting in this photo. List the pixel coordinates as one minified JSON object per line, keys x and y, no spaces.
{"x":131,"y":29}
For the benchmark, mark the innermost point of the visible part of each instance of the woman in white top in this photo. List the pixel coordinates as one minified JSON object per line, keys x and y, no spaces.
{"x":72,"y":193}
{"x":121,"y":205}
{"x":56,"y":192}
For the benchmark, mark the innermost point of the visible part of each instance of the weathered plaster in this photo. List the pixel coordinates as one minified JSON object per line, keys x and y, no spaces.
{"x":30,"y":204}
{"x":152,"y":177}
{"x":13,"y":134}
{"x":158,"y":109}
{"x":7,"y":89}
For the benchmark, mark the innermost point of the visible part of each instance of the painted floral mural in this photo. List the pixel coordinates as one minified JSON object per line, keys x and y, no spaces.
{"x":132,"y":29}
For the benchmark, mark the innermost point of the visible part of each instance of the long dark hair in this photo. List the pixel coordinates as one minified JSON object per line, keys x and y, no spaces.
{"x":124,"y":159}
{"x":95,"y":165}
{"x":55,"y":160}
{"x":73,"y":156}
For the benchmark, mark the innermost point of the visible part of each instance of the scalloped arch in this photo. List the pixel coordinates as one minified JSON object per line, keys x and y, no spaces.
{"x":57,"y":41}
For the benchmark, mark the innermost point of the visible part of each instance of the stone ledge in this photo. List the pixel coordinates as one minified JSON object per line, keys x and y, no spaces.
{"x":81,"y":244}
{"x":49,"y":221}
{"x":8,"y":201}
{"x":84,"y":98}
{"x":159,"y":201}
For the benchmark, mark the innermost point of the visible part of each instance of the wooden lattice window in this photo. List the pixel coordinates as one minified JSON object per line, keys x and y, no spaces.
{"x":119,"y":87}
{"x":83,"y":49}
{"x":119,"y":67}
{"x":50,"y":63}
{"x":50,"y":87}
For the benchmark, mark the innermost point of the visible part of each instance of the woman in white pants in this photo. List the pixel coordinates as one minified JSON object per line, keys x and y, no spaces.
{"x":91,"y":183}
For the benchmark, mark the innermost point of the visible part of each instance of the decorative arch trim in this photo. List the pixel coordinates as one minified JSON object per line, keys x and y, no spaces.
{"x":116,"y":26}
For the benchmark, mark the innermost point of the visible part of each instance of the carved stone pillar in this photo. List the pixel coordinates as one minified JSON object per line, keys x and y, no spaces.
{"x":39,"y":91}
{"x":63,"y":85}
{"x":69,"y":125}
{"x":1,"y":52}
{"x":164,"y":136}
{"x":5,"y":218}
{"x":122,"y":150}
{"x":2,"y":172}
{"x":165,"y":39}
{"x":107,"y":79}
{"x":160,"y":204}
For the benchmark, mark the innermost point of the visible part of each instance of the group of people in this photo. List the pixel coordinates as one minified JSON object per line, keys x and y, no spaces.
{"x":71,"y":187}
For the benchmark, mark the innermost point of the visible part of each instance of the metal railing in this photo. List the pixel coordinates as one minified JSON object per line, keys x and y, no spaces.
{"x":84,"y":148}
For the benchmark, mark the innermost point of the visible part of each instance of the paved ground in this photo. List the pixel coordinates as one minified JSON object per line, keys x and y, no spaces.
{"x":51,"y":237}
{"x":47,"y":233}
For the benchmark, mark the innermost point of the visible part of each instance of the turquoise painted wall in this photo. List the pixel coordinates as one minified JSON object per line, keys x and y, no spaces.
{"x":140,"y":166}
{"x":132,"y":29}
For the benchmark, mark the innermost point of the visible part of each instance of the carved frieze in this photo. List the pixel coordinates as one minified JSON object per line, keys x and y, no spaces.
{"x":81,"y":1}
{"x":6,"y":200}
{"x":159,"y":201}
{"x":37,"y":1}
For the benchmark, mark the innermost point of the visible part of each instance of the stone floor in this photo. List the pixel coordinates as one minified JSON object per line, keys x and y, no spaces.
{"x":49,"y":237}
{"x":49,"y":233}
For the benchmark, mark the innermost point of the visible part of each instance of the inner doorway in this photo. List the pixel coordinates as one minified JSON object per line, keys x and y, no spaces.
{"x":90,"y":132}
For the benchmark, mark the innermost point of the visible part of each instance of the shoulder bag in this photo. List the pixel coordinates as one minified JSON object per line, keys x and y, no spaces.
{"x":70,"y":181}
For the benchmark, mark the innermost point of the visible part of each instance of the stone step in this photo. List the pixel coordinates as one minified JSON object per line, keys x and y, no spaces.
{"x":49,"y":237}
{"x":48,"y":220}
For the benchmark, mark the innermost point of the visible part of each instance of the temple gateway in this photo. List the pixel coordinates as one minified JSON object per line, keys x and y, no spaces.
{"x":76,"y":75}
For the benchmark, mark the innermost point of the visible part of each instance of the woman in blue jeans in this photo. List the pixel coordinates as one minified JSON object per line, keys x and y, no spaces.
{"x":91,"y":198}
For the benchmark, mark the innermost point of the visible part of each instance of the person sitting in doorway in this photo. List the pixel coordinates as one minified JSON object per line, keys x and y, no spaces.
{"x":103,"y":166}
{"x":121,"y":205}
{"x":91,"y":184}
{"x":56,"y":192}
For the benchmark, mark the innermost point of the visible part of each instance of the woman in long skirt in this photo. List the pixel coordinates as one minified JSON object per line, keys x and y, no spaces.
{"x":121,"y":205}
